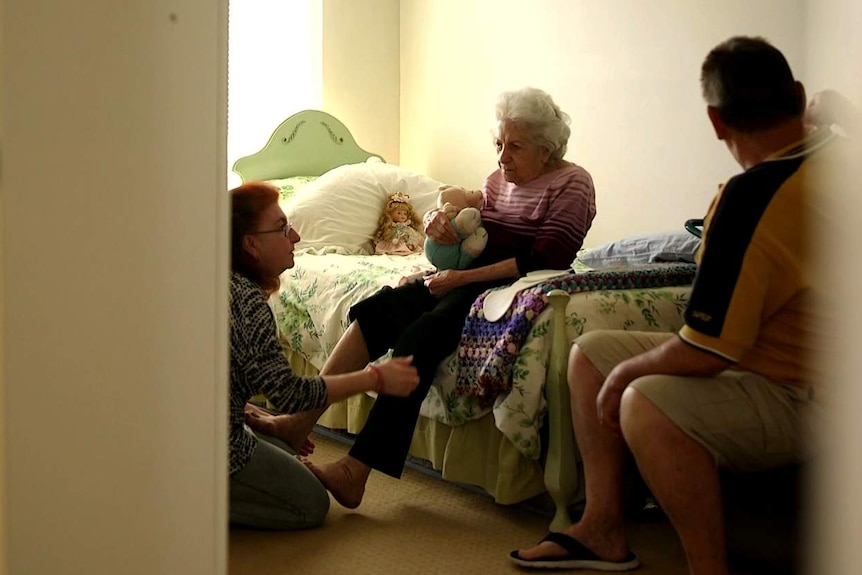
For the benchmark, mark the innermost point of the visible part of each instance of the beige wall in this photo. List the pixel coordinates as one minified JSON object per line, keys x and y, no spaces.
{"x":3,"y":435}
{"x":361,"y":71}
{"x":114,"y":286}
{"x":834,"y":55}
{"x":626,"y":71}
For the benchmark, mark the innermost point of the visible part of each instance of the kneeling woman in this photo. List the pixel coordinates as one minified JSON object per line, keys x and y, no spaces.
{"x":269,"y":487}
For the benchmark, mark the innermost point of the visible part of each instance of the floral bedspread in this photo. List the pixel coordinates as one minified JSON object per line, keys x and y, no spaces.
{"x":311,"y":306}
{"x":488,"y":350}
{"x":499,"y":367}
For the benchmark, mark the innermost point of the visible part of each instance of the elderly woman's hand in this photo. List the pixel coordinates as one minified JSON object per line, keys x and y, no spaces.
{"x":439,"y":229}
{"x":441,"y":283}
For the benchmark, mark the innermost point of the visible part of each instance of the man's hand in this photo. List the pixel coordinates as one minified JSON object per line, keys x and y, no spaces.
{"x":673,"y":357}
{"x":609,"y":399}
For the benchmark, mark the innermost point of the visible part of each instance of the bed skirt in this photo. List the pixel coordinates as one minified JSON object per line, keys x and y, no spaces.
{"x":475,"y":453}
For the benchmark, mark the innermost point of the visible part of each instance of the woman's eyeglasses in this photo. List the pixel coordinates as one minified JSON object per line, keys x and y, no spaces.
{"x":284,"y":228}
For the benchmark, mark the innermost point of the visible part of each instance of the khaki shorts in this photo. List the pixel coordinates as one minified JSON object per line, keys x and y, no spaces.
{"x":747,"y":422}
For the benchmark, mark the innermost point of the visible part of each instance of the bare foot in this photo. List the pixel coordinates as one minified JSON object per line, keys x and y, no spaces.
{"x":292,"y":429}
{"x":544,"y":550}
{"x":614,"y":548}
{"x":345,"y":479}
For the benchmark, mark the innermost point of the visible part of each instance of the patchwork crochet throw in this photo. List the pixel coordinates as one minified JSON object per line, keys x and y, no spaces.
{"x":488,"y":350}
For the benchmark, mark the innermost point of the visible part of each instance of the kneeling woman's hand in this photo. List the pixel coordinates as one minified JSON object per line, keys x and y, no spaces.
{"x":397,"y":376}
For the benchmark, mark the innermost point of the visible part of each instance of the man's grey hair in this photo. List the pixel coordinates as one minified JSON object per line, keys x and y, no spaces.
{"x":749,"y":82}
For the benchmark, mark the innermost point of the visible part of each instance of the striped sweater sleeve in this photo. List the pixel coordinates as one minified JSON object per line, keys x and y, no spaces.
{"x":569,"y":216}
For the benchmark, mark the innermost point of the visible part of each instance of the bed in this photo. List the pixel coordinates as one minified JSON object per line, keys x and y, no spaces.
{"x":497,"y":414}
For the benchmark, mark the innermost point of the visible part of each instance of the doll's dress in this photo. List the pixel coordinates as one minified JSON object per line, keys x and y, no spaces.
{"x":410,"y":241}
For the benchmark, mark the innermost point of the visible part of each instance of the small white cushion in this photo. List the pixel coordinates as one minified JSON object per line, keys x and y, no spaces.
{"x":339,"y":211}
{"x":498,"y":301}
{"x":643,"y":249}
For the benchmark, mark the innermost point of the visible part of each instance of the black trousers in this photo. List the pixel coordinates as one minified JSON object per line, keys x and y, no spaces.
{"x":410,"y":321}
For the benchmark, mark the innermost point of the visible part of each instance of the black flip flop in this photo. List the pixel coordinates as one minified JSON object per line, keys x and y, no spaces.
{"x":577,"y":557}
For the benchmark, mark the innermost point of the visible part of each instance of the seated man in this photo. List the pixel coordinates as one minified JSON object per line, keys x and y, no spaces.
{"x":737,"y":387}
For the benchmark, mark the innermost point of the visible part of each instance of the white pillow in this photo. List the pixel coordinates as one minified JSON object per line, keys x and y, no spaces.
{"x":289,"y":187}
{"x":338,"y":212}
{"x":643,"y":249}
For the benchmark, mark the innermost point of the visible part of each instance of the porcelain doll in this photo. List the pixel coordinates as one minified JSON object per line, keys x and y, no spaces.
{"x":398,"y":229}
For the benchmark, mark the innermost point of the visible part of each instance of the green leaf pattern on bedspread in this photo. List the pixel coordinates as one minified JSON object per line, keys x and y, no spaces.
{"x":311,"y":311}
{"x":311,"y":306}
{"x":520,"y":413}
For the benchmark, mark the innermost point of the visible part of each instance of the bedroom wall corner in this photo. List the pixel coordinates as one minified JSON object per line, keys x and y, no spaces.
{"x":361,"y":82}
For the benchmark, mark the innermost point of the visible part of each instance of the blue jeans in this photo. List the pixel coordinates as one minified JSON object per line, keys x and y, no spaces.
{"x":276,"y":491}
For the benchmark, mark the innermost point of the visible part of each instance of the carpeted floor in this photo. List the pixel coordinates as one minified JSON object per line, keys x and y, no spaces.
{"x":422,"y":524}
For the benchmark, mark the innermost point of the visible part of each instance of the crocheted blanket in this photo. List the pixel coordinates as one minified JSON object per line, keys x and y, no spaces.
{"x":488,"y":350}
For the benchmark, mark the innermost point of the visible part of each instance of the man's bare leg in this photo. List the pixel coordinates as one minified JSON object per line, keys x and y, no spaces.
{"x":683,"y":477}
{"x":601,"y":528}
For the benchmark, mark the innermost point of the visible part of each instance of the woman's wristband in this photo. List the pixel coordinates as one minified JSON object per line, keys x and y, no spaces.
{"x":377,"y":373}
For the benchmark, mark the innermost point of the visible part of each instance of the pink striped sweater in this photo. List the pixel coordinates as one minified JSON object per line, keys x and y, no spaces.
{"x":541,"y":223}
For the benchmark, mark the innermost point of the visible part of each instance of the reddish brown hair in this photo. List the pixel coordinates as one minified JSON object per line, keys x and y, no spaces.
{"x":248,"y":201}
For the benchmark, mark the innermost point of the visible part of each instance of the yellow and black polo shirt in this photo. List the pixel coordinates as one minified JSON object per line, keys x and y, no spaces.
{"x":753,"y":299}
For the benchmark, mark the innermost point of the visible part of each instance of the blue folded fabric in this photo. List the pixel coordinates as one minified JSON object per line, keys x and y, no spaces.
{"x":643,"y":249}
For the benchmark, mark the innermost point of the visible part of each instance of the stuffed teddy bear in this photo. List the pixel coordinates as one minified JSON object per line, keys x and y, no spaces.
{"x":397,"y":230}
{"x":459,"y":197}
{"x":467,"y":221}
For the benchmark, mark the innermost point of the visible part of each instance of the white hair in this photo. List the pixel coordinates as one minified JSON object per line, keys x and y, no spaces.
{"x":537,"y":111}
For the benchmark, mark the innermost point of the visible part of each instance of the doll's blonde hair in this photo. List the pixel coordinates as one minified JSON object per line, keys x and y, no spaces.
{"x":384,"y":224}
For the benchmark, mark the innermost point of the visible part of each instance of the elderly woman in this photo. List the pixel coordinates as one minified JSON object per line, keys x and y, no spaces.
{"x":536,"y":208}
{"x":269,"y":488}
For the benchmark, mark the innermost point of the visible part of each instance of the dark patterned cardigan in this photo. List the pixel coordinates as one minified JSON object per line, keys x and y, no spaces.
{"x":258,"y":365}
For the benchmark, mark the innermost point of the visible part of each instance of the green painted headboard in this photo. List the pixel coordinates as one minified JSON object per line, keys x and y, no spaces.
{"x":308,"y":143}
